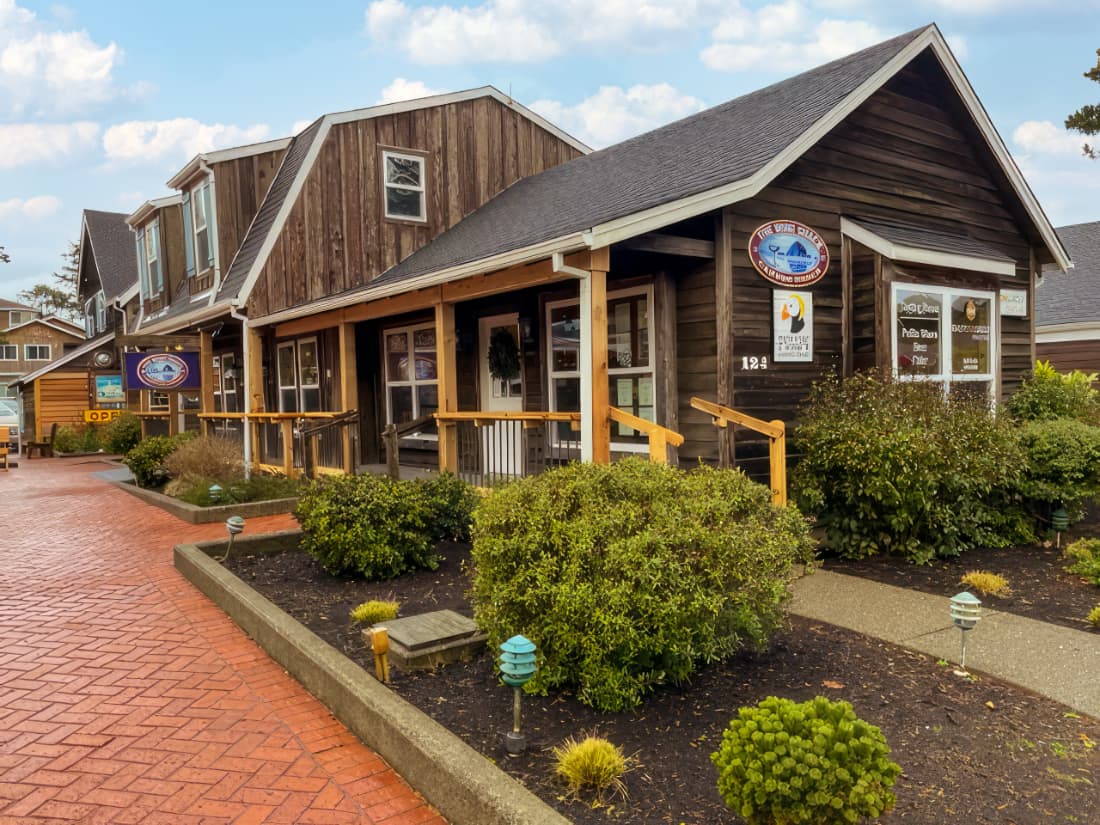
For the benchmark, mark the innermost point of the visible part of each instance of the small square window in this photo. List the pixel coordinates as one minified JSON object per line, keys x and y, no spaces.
{"x":36,"y":352}
{"x":9,"y":352}
{"x":403,"y":184}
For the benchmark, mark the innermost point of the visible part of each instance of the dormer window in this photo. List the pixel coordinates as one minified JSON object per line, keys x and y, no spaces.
{"x":149,"y":263}
{"x":403,"y":186}
{"x":89,"y":318}
{"x":100,"y":312}
{"x":202,"y":222}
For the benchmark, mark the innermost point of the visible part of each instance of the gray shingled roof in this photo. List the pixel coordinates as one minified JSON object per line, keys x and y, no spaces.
{"x":924,"y":237}
{"x":1074,"y":296}
{"x":264,"y":221}
{"x":722,"y":145}
{"x":114,"y":250}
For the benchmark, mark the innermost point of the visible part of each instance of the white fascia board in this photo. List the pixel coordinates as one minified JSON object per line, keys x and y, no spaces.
{"x":921,"y":255}
{"x":127,"y":296}
{"x":175,"y":324}
{"x":83,"y":349}
{"x":142,"y":213}
{"x":219,"y":155}
{"x":538,"y":252}
{"x":1067,"y":333}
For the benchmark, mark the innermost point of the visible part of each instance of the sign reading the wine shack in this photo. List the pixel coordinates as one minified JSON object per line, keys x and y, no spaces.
{"x":788,"y":253}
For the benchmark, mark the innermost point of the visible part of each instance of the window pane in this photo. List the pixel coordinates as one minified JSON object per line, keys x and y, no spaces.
{"x":307,"y":363}
{"x":397,"y":356}
{"x":403,"y":171}
{"x":567,"y":398}
{"x":427,"y":398}
{"x":969,"y":335}
{"x":425,"y":339}
{"x":918,"y":322}
{"x":311,"y":399}
{"x":288,"y":400}
{"x":565,"y":332}
{"x":286,"y":367}
{"x":403,"y":203}
{"x":628,"y":332}
{"x":401,"y":405}
{"x":425,"y":366}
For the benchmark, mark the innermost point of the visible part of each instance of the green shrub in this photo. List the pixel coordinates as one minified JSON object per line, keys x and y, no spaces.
{"x":374,"y":611}
{"x":241,"y":491}
{"x":630,"y":575}
{"x":1094,"y":616}
{"x":895,"y":466}
{"x":206,"y":458}
{"x":146,"y":460}
{"x":1085,"y":555}
{"x":813,"y":762}
{"x":67,"y":440}
{"x":371,"y":525}
{"x":451,"y":502}
{"x":1062,"y":461}
{"x":122,"y":434}
{"x":1048,"y":394}
{"x":592,"y":762}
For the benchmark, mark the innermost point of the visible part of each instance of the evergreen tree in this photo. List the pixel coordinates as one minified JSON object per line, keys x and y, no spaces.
{"x":59,"y":299}
{"x":1086,"y":120}
{"x":4,"y":259}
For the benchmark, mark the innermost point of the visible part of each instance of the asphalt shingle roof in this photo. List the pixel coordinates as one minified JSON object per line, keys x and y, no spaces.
{"x":114,"y":250}
{"x":1073,"y":296}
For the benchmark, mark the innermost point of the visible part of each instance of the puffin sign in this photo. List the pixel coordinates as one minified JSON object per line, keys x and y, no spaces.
{"x":162,"y":371}
{"x":788,"y":253}
{"x":792,"y":325}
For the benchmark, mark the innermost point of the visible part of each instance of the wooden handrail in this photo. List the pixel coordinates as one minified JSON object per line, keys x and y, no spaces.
{"x":486,"y":415}
{"x":268,"y":416}
{"x":775,"y":430}
{"x":659,"y":437}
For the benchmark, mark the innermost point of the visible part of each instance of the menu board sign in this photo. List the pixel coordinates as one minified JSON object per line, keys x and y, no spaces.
{"x":918,"y":334}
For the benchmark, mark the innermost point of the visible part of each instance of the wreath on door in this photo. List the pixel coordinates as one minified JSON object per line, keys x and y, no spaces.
{"x":503,"y":355}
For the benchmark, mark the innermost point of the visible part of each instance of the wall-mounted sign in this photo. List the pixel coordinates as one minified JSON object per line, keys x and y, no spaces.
{"x":101,"y":416}
{"x":108,"y":389}
{"x":792,"y":325}
{"x":788,"y":253}
{"x":1014,"y":302}
{"x":918,"y":317}
{"x":162,"y":371}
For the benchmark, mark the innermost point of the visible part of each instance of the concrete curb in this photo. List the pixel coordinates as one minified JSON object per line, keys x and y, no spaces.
{"x":461,"y":783}
{"x":205,"y":515}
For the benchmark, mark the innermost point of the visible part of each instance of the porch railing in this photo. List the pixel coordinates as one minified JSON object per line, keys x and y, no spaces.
{"x":500,"y":446}
{"x":391,"y":440}
{"x":277,"y":444}
{"x":660,"y":438}
{"x":775,"y":430}
{"x":330,"y":445}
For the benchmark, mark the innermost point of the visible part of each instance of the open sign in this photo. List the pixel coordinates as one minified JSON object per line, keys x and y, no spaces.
{"x":101,"y":416}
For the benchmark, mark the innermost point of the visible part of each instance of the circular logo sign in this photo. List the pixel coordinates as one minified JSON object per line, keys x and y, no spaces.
{"x":163,"y":370}
{"x":788,"y":253}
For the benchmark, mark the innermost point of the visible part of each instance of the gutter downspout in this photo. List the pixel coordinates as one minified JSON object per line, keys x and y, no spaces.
{"x":246,"y":351}
{"x":584,"y":277}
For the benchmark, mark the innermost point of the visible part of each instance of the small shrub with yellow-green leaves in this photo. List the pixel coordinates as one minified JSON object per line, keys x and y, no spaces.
{"x":1085,"y":555}
{"x":374,"y":611}
{"x":986,"y":583}
{"x":593,"y":763}
{"x":805,"y":763}
{"x":1094,"y":616}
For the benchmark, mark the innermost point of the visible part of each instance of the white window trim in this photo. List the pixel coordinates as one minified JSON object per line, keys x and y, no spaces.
{"x":4,"y":349}
{"x":209,"y":224}
{"x":647,"y":290}
{"x":100,"y":312}
{"x":280,"y":386}
{"x":410,"y":331}
{"x":299,"y":386}
{"x":27,"y":350}
{"x":89,"y":317}
{"x":152,"y":256}
{"x":421,"y":189}
{"x":946,"y":339}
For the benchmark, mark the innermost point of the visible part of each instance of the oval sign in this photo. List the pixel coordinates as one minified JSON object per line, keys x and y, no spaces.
{"x":788,"y":253}
{"x":163,"y":370}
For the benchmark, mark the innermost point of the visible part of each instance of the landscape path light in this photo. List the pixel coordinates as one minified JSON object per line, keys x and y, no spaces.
{"x":235,"y":526}
{"x":215,"y":492}
{"x":1059,"y":520}
{"x":517,"y":667}
{"x":966,"y":610}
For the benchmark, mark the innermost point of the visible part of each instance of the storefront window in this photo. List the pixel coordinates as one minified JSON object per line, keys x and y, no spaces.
{"x":412,"y":389}
{"x":299,"y":375}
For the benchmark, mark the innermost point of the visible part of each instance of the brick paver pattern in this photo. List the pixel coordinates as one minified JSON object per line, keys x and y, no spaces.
{"x":126,"y":696}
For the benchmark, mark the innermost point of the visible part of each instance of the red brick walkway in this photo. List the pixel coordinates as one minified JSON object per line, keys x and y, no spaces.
{"x":126,"y":696}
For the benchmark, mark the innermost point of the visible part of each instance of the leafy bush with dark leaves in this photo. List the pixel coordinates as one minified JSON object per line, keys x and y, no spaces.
{"x":146,"y":460}
{"x":122,"y":434}
{"x":896,"y":467}
{"x":631,"y":575}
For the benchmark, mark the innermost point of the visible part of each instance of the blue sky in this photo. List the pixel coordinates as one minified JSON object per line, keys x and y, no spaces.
{"x":102,"y":101}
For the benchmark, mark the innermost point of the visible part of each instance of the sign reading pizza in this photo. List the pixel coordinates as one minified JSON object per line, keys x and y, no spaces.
{"x":162,"y":371}
{"x":788,"y":253}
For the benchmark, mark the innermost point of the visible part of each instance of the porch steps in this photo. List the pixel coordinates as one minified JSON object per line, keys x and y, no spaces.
{"x":430,"y":639}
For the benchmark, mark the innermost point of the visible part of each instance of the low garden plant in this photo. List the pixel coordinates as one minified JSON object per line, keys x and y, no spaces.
{"x":1094,"y":616}
{"x":591,"y":763}
{"x":1084,"y":555}
{"x":70,"y":439}
{"x":146,"y":460}
{"x":202,"y":459}
{"x":812,"y":762}
{"x":121,"y":434}
{"x":1062,"y":456}
{"x":631,"y":575}
{"x":260,"y":487}
{"x":986,"y":583}
{"x":374,"y":611}
{"x":1048,"y":394}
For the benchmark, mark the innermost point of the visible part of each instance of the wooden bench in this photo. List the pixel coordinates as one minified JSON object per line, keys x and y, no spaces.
{"x":45,"y":448}
{"x":5,"y":434}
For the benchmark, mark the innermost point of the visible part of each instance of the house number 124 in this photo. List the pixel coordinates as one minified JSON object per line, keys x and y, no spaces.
{"x":753,"y":362}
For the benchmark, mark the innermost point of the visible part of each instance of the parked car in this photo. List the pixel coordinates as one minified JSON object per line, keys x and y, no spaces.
{"x":9,"y":417}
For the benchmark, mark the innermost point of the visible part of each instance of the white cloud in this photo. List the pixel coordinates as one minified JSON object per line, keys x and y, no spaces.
{"x":613,"y":114}
{"x":1041,"y":137}
{"x":39,"y":206}
{"x":299,"y":126}
{"x":402,"y":89}
{"x":528,"y":31}
{"x":23,"y":144}
{"x":762,"y":39}
{"x":46,"y":71}
{"x":150,"y":141}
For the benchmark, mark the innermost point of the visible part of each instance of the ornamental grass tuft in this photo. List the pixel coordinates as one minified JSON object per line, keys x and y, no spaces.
{"x":592,"y":763}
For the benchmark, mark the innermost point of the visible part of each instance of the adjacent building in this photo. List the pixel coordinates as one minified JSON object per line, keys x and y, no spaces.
{"x":1067,"y":304}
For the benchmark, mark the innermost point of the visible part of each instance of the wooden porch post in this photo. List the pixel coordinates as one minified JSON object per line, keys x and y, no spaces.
{"x":349,"y":389}
{"x":447,"y":373}
{"x":254,"y":387}
{"x":173,"y":412}
{"x":723,"y":297}
{"x":601,"y":424}
{"x":206,"y":371}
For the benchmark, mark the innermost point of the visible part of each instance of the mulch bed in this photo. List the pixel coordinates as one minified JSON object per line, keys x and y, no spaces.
{"x":971,"y":751}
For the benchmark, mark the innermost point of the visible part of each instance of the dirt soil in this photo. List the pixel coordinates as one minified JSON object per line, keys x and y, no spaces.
{"x":975,"y":751}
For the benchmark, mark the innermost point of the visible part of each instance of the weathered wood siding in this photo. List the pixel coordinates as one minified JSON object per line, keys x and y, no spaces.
{"x":1071,"y":355}
{"x":172,"y":252}
{"x":239,"y":188}
{"x":337,"y":238}
{"x":61,"y":398}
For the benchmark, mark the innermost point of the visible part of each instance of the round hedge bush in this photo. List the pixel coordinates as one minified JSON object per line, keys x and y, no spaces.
{"x":630,"y":575}
{"x":812,"y":762}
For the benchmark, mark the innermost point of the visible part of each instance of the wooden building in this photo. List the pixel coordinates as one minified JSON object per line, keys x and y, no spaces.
{"x":1067,"y":304}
